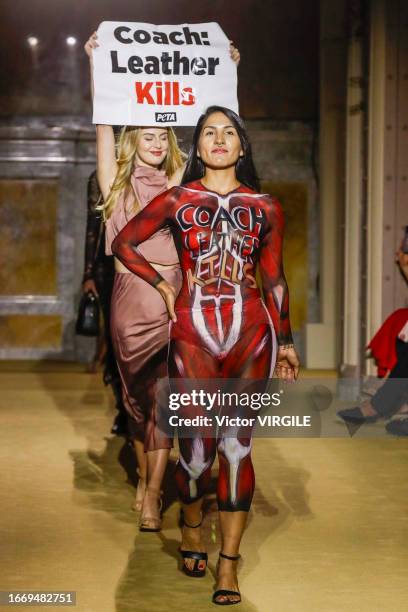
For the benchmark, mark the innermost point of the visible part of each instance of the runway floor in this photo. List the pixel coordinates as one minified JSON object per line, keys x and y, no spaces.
{"x":327,"y":532}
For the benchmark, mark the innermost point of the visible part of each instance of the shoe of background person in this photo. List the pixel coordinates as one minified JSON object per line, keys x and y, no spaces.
{"x":147,"y":522}
{"x":398,"y":427}
{"x":140,"y":493}
{"x":354,"y":415}
{"x":119,"y":426}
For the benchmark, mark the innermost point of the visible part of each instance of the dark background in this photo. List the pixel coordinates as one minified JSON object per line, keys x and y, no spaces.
{"x":278,"y":40}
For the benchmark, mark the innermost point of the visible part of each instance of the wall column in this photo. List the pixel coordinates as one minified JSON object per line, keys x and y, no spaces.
{"x":353,"y":227}
{"x":376,"y":150}
{"x":322,"y":340}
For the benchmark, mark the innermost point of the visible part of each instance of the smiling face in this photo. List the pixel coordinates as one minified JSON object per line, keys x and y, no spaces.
{"x":152,"y":146}
{"x":219,"y":145}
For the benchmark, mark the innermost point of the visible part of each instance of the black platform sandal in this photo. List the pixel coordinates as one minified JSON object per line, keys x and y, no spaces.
{"x":197,"y":556}
{"x":226,"y":592}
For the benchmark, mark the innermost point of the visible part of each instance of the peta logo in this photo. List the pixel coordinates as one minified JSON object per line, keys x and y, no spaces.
{"x":165,"y":117}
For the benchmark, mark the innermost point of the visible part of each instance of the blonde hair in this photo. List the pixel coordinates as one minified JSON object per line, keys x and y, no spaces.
{"x":126,"y":151}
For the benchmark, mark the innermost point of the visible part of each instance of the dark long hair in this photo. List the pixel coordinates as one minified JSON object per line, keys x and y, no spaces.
{"x":244,"y":168}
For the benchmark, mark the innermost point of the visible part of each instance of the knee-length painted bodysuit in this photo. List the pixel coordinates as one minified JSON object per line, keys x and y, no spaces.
{"x":224,"y":329}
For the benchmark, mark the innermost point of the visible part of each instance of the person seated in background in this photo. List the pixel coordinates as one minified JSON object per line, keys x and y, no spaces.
{"x":98,"y":278}
{"x":383,"y":346}
{"x":390,"y":349}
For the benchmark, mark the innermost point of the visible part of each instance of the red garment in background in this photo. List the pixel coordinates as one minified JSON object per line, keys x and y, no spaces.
{"x":383,"y":344}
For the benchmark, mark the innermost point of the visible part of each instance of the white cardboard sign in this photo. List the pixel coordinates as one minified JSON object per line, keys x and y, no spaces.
{"x":147,"y":74}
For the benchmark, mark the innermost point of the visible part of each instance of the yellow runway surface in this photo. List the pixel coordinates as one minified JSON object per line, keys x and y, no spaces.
{"x":328,"y":530}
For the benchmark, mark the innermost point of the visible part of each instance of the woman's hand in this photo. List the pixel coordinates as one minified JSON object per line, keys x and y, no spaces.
{"x":168,"y":294}
{"x":235,"y":54}
{"x":91,"y":43}
{"x":287,"y":363}
{"x":89,"y":286}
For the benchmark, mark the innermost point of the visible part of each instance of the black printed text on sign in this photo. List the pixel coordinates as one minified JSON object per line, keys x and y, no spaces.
{"x":148,"y":74}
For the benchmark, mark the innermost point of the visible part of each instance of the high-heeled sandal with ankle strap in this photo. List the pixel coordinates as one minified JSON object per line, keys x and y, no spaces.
{"x":140,"y":493}
{"x":227,"y":592}
{"x":152,"y":523}
{"x":196,"y":572}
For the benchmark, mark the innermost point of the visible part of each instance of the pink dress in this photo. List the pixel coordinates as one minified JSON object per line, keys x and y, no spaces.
{"x":139,"y":318}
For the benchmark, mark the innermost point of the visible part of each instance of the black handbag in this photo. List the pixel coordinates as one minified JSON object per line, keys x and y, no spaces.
{"x":87,"y":323}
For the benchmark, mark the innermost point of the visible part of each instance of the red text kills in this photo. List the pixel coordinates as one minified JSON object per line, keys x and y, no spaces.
{"x":164,"y":93}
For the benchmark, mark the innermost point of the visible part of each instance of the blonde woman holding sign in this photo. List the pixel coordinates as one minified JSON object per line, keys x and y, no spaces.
{"x":147,"y":162}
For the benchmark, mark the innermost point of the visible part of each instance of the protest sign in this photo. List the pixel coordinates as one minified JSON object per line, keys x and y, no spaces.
{"x":148,"y":74}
